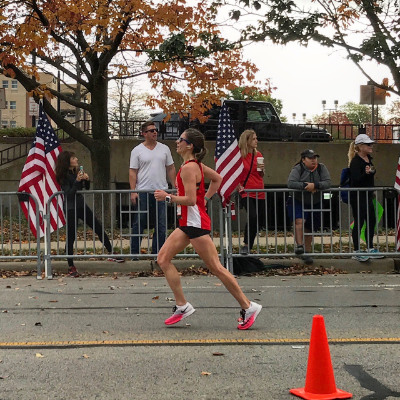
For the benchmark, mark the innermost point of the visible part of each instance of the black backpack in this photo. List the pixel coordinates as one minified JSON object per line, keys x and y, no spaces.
{"x":247,"y":265}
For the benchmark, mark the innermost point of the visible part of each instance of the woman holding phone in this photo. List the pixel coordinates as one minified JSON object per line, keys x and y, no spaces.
{"x":72,"y":178}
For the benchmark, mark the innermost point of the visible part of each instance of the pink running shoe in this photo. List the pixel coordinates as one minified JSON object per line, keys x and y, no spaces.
{"x":249,"y":315}
{"x":180,"y":312}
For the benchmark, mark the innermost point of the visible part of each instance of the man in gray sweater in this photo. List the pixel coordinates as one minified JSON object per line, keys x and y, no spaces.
{"x":309,"y":178}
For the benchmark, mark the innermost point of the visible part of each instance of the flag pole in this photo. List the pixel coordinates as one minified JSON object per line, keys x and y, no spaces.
{"x":228,"y":247}
{"x":46,"y":227}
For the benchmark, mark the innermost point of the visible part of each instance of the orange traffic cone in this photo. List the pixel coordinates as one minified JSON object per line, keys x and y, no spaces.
{"x":320,"y":381}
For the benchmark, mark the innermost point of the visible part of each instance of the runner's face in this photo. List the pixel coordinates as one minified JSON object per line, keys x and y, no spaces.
{"x":182,"y":144}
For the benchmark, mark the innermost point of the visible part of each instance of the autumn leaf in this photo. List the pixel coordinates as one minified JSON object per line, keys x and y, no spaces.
{"x":205,"y":373}
{"x":38,"y":355}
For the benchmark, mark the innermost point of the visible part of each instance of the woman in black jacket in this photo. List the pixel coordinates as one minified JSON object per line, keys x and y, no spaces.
{"x":362,"y":173}
{"x":71,"y":180}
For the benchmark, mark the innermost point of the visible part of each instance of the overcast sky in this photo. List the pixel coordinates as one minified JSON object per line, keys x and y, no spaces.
{"x":304,"y":76}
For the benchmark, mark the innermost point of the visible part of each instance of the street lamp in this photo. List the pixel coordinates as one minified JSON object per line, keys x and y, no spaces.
{"x":336,"y":102}
{"x":294,"y":117}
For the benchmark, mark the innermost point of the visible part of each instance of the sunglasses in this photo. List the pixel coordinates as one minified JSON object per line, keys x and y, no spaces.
{"x":369,"y":144}
{"x":181,"y":139}
{"x":151,"y":130}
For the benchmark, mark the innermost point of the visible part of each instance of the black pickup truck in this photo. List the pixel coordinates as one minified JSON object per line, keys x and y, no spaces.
{"x":258,"y":115}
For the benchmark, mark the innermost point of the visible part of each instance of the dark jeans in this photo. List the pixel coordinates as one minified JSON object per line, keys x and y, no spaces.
{"x":86,"y":215}
{"x":147,"y":209}
{"x":255,"y":219}
{"x":363,"y":211}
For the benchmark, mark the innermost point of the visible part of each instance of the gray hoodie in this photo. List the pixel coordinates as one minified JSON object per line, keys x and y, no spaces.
{"x":301,"y":174}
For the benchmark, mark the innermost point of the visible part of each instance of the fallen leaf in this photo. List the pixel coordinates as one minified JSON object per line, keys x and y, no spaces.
{"x":217,"y":284}
{"x":85,"y":356}
{"x":53,"y":301}
{"x":5,"y":311}
{"x":112,"y":287}
{"x":38,"y":324}
{"x":38,"y":355}
{"x":106,"y":332}
{"x":144,"y":283}
{"x":218,"y":354}
{"x":155,"y":297}
{"x":205,"y":373}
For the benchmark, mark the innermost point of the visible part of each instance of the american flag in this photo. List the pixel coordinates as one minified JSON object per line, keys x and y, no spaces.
{"x":397,"y":187}
{"x":228,"y":159}
{"x":39,"y":179}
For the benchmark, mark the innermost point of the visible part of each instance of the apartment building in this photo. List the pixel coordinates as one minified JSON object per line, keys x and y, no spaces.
{"x":20,"y":107}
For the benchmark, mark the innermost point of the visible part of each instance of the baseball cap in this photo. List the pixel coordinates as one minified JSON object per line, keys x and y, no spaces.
{"x":309,"y":154}
{"x":363,"y":139}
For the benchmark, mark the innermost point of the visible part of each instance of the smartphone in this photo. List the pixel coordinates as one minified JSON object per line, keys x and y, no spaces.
{"x":81,"y":169}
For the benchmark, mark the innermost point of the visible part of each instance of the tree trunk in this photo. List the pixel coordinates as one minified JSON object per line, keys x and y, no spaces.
{"x":101,"y":149}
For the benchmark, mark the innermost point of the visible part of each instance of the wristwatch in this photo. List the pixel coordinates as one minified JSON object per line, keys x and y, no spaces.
{"x":168,"y":199}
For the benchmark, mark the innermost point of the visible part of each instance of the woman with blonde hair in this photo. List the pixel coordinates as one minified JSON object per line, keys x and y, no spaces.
{"x":253,"y":178}
{"x":362,"y":173}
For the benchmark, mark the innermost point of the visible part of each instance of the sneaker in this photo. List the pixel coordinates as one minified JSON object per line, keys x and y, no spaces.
{"x":360,"y":257}
{"x":244,"y":250}
{"x":249,"y":316}
{"x":375,"y":253}
{"x":116,"y":259}
{"x":72,"y":272}
{"x":179,"y":313}
{"x":299,"y":249}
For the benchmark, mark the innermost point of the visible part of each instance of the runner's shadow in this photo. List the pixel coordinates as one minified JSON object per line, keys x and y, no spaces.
{"x":380,"y":391}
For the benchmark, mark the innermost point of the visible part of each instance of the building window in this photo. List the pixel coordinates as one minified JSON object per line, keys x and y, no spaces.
{"x":5,"y":84}
{"x":14,"y":84}
{"x":13,"y":124}
{"x":13,"y":105}
{"x":4,"y":124}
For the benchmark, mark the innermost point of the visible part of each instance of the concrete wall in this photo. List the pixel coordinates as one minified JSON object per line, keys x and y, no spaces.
{"x":279,"y":159}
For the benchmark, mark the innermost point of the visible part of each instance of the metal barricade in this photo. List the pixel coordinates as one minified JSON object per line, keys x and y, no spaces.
{"x":116,"y":215}
{"x":275,"y":234}
{"x":16,"y":240}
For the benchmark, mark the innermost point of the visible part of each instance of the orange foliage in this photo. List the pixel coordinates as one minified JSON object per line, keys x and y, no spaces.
{"x":112,"y":39}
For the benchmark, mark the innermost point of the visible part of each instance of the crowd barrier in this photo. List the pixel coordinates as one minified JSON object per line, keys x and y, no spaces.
{"x":275,"y":232}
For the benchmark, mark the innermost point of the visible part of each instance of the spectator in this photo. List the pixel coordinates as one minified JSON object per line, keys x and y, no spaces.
{"x":362,"y":173}
{"x":71,"y":179}
{"x":194,"y":228}
{"x":253,"y":202}
{"x":150,"y":162}
{"x":311,"y":177}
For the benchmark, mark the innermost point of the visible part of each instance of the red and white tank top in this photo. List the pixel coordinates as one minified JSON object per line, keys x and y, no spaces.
{"x":196,"y":215}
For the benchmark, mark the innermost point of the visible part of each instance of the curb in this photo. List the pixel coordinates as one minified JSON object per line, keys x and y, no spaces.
{"x":378,"y":266}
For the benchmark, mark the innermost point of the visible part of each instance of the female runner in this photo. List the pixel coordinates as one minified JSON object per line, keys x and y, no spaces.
{"x":194,"y":228}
